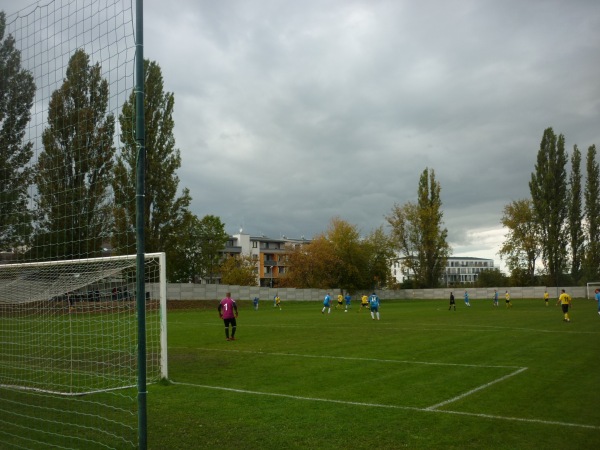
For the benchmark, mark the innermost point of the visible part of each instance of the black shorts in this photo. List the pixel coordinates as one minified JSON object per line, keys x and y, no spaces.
{"x":231,"y":322}
{"x":565,"y":307}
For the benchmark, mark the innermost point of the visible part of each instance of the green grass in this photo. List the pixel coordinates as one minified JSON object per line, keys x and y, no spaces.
{"x":422,"y":377}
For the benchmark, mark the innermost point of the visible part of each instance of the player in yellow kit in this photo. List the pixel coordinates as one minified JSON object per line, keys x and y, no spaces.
{"x":340,"y":302}
{"x":546,"y":297}
{"x":565,"y":302}
{"x":364,"y":302}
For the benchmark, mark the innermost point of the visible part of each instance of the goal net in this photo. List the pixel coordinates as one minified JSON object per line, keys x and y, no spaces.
{"x":68,"y":357}
{"x":71,"y":331}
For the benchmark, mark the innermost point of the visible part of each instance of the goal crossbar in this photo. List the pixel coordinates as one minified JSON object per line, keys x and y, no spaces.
{"x":39,"y":281}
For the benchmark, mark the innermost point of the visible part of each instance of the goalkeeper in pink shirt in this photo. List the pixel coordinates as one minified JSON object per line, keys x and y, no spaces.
{"x":228,"y":311}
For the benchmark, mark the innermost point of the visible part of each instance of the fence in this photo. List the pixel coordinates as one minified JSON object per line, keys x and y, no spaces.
{"x":217,"y":291}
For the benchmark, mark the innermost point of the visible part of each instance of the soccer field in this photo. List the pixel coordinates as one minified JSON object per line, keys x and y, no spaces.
{"x":421,"y":377}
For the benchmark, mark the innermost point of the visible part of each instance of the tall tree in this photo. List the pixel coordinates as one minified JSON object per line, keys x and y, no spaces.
{"x":379,"y":257}
{"x":349,"y":269}
{"x":238,"y":270}
{"x":165,"y":213}
{"x":592,"y":214}
{"x":340,"y":259}
{"x":548,"y":187}
{"x":308,"y":265}
{"x":74,"y":170}
{"x":575,"y":216}
{"x":199,"y":249}
{"x":17,"y":90}
{"x":521,"y":247}
{"x":418,"y":235}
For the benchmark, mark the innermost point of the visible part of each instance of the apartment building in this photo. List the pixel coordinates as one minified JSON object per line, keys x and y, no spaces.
{"x":268,"y":253}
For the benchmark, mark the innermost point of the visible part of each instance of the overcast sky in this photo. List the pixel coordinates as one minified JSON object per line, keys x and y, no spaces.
{"x":289,"y":113}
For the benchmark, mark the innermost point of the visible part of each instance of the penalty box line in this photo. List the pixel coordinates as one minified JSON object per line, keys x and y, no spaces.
{"x":429,"y":408}
{"x":353,"y":358}
{"x":378,"y":405}
{"x":433,"y":408}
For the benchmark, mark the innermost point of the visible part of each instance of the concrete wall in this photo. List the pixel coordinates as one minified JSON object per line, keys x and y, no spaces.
{"x":218,"y":291}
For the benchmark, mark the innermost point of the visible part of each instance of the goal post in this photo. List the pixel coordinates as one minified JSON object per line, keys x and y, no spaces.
{"x":80,"y":328}
{"x":590,"y":288}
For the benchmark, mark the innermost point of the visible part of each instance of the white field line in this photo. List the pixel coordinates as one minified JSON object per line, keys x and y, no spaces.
{"x":479,"y":388}
{"x":377,"y":405}
{"x":350,"y":358}
{"x":433,"y":408}
{"x":424,"y":327}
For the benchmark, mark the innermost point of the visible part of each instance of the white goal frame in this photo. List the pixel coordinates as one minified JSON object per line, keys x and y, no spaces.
{"x":589,"y":290}
{"x":19,"y":290}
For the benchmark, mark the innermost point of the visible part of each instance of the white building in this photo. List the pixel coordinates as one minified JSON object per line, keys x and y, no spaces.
{"x":459,"y":270}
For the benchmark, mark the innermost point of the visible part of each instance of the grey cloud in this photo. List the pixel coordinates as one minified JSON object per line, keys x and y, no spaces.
{"x":290,"y":113}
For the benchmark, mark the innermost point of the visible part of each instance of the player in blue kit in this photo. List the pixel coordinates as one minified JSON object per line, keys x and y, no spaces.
{"x":348,"y":299}
{"x":374,"y":305}
{"x":326,"y":304}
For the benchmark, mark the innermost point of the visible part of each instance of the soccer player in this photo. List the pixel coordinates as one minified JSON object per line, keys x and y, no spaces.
{"x":255,"y":303}
{"x":495,"y":297}
{"x":228,"y":311}
{"x":565,"y":301}
{"x":364,"y":302}
{"x":340,"y":301}
{"x":452,"y":302}
{"x":348,"y":299}
{"x":467,"y":299}
{"x":326,"y":304}
{"x":374,"y":305}
{"x":277,"y":302}
{"x":546,"y":297}
{"x":597,"y":296}
{"x":507,"y":299}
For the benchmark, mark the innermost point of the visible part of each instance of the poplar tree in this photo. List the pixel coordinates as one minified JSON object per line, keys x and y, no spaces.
{"x":548,"y":187}
{"x":418,"y":234}
{"x":165,"y":212}
{"x":17,"y":91}
{"x":591,"y":261}
{"x":576,"y":235}
{"x":74,"y":170}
